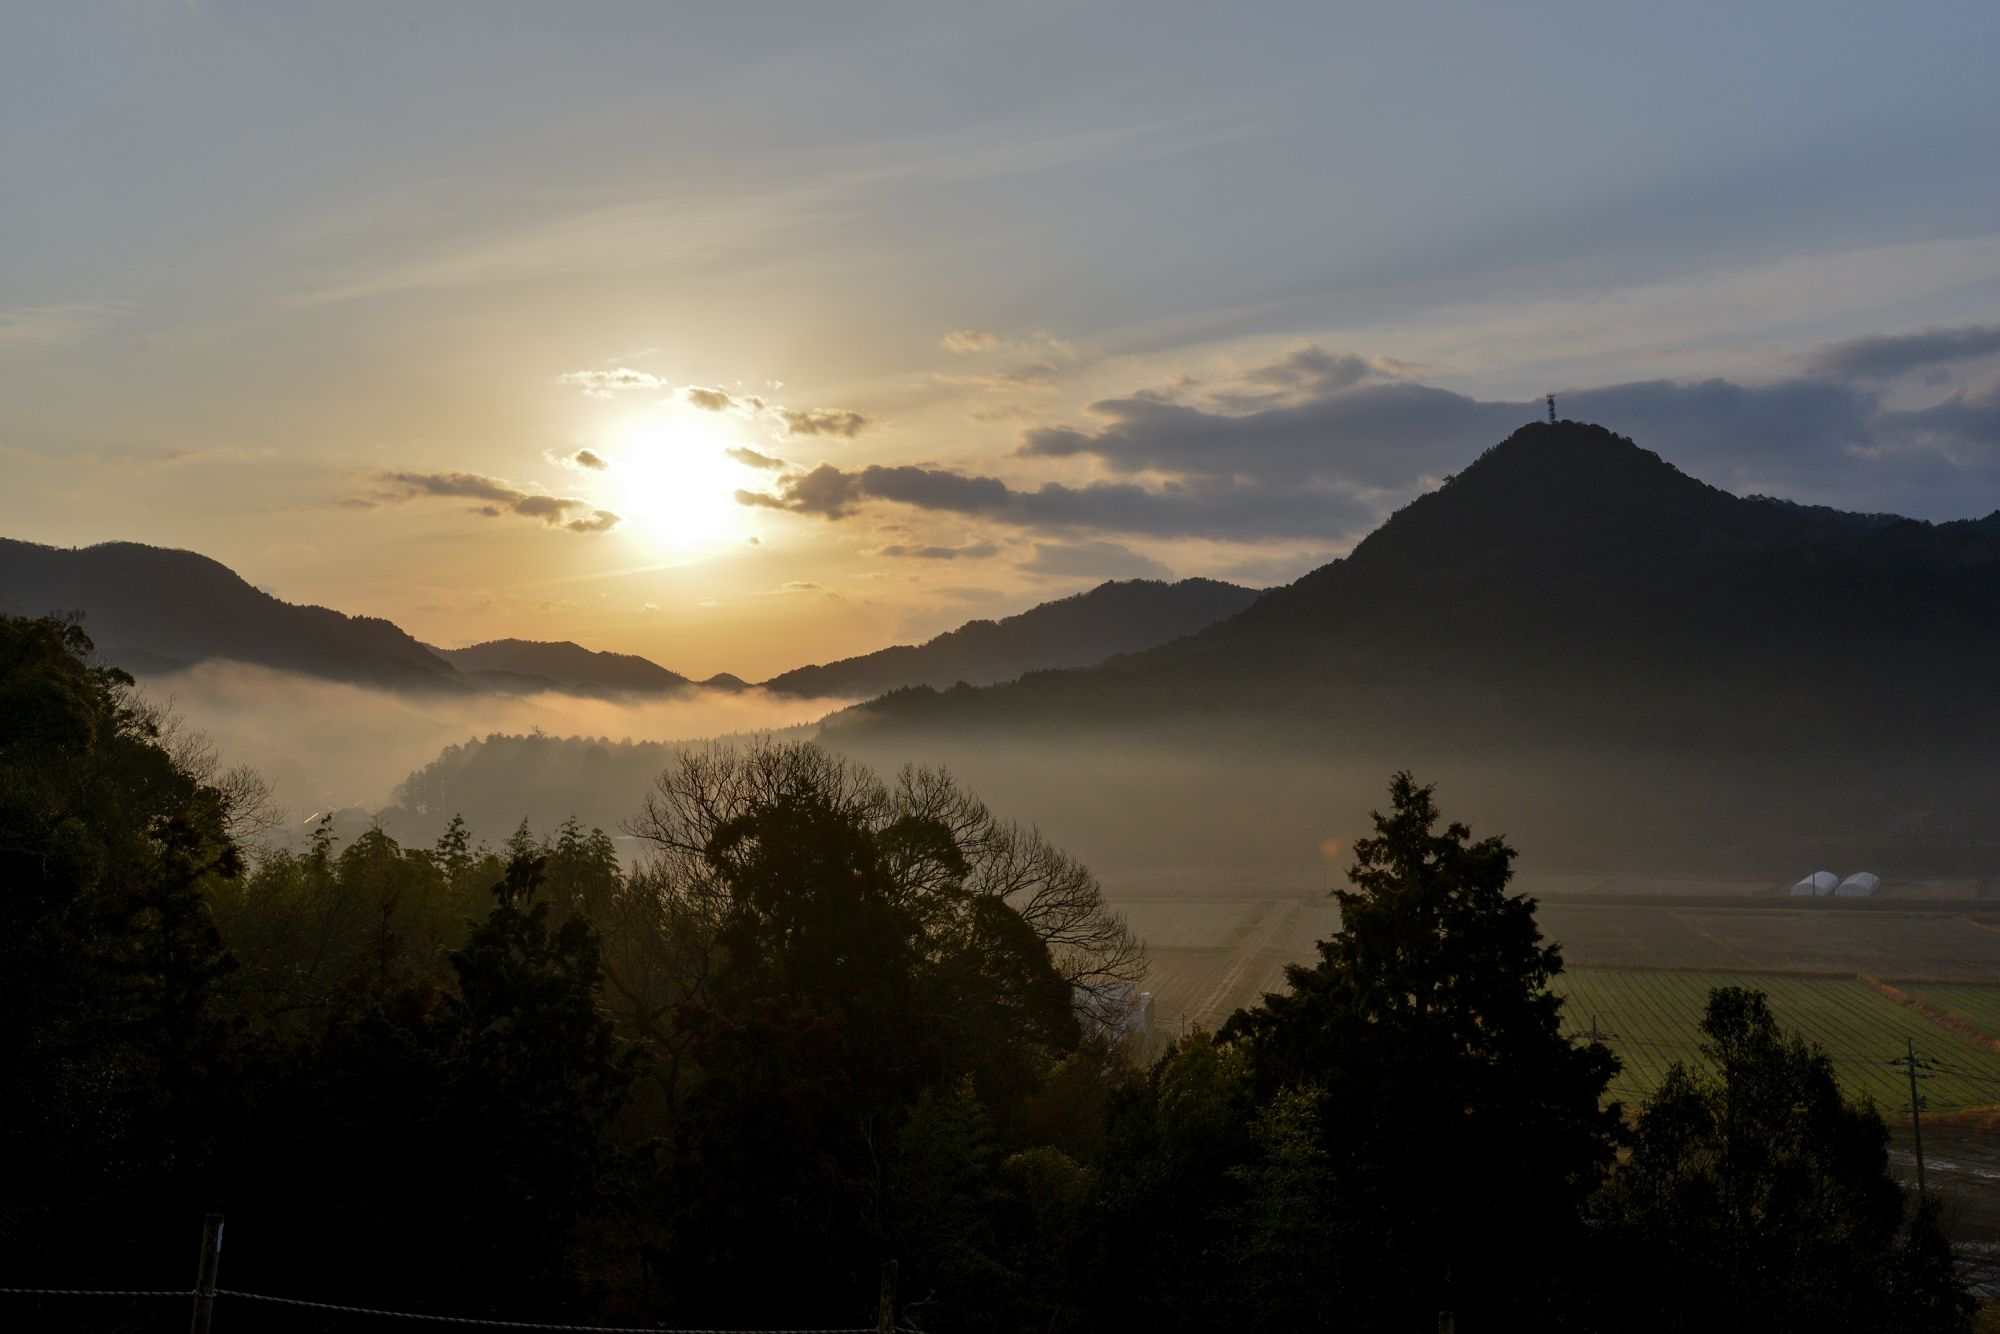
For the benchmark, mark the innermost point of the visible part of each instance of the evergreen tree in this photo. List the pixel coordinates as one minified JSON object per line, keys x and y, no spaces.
{"x":1462,"y":1131}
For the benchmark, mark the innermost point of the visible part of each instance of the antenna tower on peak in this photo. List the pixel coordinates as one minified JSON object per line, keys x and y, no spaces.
{"x":1552,"y":409}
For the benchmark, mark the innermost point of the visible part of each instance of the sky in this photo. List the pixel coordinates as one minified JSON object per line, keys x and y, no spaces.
{"x":749,"y":335}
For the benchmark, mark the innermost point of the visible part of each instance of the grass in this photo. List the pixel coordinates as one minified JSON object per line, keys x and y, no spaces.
{"x":1977,"y":1005}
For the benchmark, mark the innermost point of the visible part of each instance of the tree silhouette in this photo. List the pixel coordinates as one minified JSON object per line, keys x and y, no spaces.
{"x":1462,"y":1132}
{"x":1757,"y":1197}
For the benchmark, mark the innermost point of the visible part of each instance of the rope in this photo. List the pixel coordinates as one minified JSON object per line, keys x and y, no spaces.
{"x":98,"y":1292}
{"x":185,"y":1293}
{"x":511,"y":1324}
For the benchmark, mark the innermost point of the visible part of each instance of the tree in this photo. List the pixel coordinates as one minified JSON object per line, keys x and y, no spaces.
{"x":1461,"y":1131}
{"x":112,"y":1034}
{"x":1758,"y":1197}
{"x":840,"y":971}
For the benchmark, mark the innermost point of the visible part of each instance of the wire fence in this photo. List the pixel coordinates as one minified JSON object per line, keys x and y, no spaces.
{"x":189,"y":1294}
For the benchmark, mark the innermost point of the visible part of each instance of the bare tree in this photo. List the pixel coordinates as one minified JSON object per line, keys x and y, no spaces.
{"x":1056,"y":895}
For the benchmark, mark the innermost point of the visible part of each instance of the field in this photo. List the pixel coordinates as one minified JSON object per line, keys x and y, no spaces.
{"x":1642,"y":962}
{"x":1650,"y":1019}
{"x":1979,"y":1006}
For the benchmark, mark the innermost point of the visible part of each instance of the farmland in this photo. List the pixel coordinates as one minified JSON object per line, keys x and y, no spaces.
{"x":1650,"y":1019}
{"x":1644,"y":969}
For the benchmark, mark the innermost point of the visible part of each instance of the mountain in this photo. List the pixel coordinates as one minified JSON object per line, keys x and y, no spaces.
{"x":1113,"y":618}
{"x":526,"y":664}
{"x":1569,"y":571}
{"x":152,"y":609}
{"x":1592,"y":631}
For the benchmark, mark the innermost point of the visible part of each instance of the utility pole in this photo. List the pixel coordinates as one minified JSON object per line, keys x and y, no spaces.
{"x":1552,"y":409}
{"x":1908,"y":1060}
{"x":204,"y":1277}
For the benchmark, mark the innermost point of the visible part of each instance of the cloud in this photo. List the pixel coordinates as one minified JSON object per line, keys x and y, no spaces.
{"x":1035,"y":375}
{"x":822,"y":421}
{"x":577,"y":516}
{"x":606,"y":384}
{"x":1094,"y":560}
{"x":583,"y":460}
{"x":1380,"y":435}
{"x":970,"y":340}
{"x":1885,"y":356}
{"x":1177,"y":510}
{"x":469,"y":484}
{"x":709,"y":400}
{"x":1005,"y":412}
{"x":750,"y":458}
{"x":825,"y":491}
{"x":1314,"y":369}
{"x":59,"y":325}
{"x":970,"y":551}
{"x":793,"y":421}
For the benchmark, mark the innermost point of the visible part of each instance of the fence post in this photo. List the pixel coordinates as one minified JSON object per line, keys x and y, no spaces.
{"x":204,"y":1279}
{"x":885,"y":1316}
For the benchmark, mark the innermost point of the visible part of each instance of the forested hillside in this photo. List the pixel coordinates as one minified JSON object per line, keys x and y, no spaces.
{"x":843,"y":1052}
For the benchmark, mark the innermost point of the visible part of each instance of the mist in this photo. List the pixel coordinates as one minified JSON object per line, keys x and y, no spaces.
{"x":326,"y":745}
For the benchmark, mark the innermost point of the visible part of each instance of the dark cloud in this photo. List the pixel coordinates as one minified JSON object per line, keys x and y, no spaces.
{"x":1378,"y":435}
{"x":970,"y":551}
{"x":1884,"y":356}
{"x":822,"y":421}
{"x":583,"y":458}
{"x":1314,"y":369}
{"x":825,"y":491}
{"x":500,"y":497}
{"x":1177,"y":510}
{"x":1094,"y":560}
{"x":1959,"y":421}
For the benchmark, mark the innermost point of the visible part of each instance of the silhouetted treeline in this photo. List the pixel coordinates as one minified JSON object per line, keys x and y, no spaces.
{"x":833,"y":1028}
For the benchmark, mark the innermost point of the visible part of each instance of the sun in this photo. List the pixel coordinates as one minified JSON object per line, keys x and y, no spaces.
{"x":671,"y":479}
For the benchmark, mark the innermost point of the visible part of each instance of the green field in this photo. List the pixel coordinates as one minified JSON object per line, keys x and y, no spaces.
{"x":1652,"y":1017}
{"x":1979,"y":1005}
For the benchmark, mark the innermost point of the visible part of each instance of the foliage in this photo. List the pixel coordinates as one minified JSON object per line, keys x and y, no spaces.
{"x":1757,"y":1197}
{"x":1461,"y":1131}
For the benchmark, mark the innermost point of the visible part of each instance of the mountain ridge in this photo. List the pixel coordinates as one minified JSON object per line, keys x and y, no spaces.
{"x":1115,"y":617}
{"x":1563,"y":563}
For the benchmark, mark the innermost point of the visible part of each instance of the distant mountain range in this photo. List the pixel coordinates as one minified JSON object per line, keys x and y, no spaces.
{"x":1113,"y":618}
{"x":528,"y":665}
{"x":154,"y":610}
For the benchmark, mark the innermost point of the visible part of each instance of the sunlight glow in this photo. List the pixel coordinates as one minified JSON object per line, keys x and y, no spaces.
{"x":674,"y":484}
